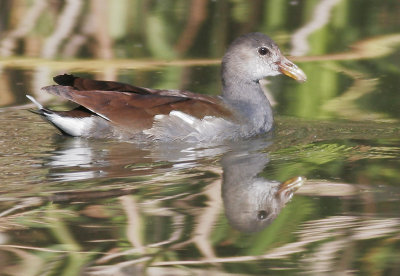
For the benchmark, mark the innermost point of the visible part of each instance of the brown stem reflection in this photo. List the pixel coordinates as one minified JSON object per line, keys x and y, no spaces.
{"x":8,"y":44}
{"x":64,"y":27}
{"x":133,"y":227}
{"x":102,"y":35}
{"x":197,"y":15}
{"x":81,"y":37}
{"x":32,"y":263}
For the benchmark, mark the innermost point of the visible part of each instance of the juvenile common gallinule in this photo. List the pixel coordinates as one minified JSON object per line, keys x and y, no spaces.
{"x":117,"y":110}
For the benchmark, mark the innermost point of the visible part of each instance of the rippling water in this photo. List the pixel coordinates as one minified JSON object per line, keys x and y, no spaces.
{"x":105,"y":206}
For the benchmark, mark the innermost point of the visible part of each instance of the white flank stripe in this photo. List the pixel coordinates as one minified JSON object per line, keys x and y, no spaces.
{"x":72,"y":126}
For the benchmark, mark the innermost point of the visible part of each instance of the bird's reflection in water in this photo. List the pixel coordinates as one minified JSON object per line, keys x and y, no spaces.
{"x":251,"y":201}
{"x":85,"y":159}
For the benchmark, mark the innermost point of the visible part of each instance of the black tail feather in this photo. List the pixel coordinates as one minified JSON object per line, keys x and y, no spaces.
{"x":65,"y":80}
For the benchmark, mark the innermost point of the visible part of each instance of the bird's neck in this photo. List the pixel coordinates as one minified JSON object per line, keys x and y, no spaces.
{"x":248,"y":100}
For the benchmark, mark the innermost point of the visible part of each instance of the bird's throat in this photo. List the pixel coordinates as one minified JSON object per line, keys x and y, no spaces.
{"x":247,"y":99}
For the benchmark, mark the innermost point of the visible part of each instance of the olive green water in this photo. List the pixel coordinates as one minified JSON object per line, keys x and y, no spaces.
{"x":71,"y":206}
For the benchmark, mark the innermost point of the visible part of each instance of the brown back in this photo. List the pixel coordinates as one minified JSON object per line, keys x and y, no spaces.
{"x":130,"y":106}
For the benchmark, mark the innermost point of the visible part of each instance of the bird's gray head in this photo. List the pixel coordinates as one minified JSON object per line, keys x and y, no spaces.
{"x":254,"y":56}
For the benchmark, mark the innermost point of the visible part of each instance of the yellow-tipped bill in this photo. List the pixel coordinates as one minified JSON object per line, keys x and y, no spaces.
{"x":291,"y":70}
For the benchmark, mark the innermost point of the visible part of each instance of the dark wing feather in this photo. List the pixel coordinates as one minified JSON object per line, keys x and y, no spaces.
{"x":83,"y":84}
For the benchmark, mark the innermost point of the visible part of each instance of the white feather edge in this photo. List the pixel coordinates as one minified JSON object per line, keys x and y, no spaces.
{"x":32,"y":99}
{"x":72,"y":126}
{"x":39,"y":106}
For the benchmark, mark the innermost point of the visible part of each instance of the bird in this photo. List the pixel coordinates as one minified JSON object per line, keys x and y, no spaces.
{"x":109,"y":109}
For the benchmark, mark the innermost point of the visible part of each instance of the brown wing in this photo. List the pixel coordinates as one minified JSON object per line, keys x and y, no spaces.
{"x":135,"y":110}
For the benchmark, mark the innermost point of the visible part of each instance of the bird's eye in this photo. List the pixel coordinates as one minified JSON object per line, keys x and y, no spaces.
{"x":261,"y":215}
{"x":263,"y":51}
